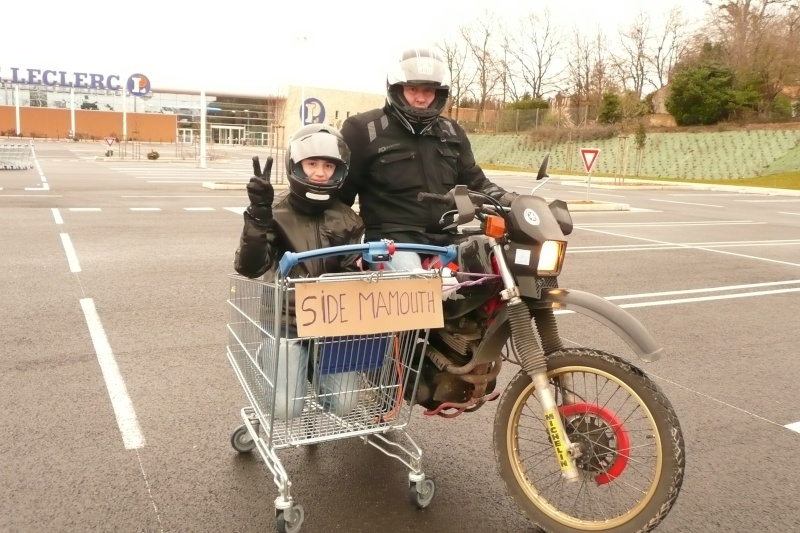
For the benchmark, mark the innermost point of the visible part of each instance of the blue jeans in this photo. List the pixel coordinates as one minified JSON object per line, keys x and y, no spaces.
{"x":337,"y":393}
{"x":406,"y":261}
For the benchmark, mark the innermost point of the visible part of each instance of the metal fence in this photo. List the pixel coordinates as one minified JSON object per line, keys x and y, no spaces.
{"x":516,"y":120}
{"x":522,"y":120}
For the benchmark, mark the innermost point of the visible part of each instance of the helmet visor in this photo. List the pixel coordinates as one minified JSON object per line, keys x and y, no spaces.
{"x":321,"y":146}
{"x":422,"y":69}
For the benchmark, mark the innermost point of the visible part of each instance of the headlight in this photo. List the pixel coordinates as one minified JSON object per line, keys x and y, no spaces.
{"x":551,"y":257}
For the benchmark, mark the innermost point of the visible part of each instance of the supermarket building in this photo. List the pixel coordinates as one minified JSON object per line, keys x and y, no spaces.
{"x":57,"y":104}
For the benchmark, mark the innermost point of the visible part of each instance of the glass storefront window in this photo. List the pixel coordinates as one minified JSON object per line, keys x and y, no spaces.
{"x":230,"y":119}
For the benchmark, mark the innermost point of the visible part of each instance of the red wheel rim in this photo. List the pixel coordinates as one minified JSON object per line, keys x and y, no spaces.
{"x":616,"y":425}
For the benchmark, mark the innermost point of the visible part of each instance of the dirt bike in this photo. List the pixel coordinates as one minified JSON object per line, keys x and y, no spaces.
{"x":584,"y":440}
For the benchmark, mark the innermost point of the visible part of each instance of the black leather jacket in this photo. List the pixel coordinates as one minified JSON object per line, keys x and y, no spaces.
{"x":262,"y":246}
{"x":389,"y":165}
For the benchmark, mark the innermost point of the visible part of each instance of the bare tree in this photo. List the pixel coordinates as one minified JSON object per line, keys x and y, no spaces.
{"x":507,"y":67}
{"x":588,"y":69}
{"x":534,"y":50}
{"x":759,"y":41}
{"x":455,"y":55}
{"x":777,"y":58}
{"x":631,"y":64}
{"x":742,"y":26}
{"x":668,"y":47}
{"x":480,"y":41}
{"x":789,"y":37}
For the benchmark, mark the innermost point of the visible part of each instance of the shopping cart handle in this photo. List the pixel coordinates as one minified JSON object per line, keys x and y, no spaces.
{"x":371,"y":252}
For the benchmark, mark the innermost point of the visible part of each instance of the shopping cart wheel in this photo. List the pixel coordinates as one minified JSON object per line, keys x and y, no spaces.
{"x":285,"y":525}
{"x":241,"y":440}
{"x":421,"y":493}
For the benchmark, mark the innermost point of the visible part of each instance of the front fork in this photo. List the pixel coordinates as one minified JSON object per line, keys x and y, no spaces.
{"x":532,"y":360}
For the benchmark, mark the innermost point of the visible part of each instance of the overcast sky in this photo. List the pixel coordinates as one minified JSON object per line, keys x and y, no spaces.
{"x":254,"y":45}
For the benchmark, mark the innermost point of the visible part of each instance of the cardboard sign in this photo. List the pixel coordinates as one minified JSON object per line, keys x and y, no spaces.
{"x":360,"y":308}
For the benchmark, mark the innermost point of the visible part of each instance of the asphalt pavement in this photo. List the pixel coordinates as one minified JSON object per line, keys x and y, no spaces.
{"x":119,"y":402}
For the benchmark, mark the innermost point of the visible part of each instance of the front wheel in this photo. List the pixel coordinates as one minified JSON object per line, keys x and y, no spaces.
{"x":630,"y":446}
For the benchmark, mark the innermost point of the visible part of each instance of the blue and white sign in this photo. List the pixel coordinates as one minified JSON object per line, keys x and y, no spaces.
{"x":312,"y":112}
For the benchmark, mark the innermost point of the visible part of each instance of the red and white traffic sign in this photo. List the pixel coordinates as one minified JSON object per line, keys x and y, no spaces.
{"x":110,"y":141}
{"x":589,"y":156}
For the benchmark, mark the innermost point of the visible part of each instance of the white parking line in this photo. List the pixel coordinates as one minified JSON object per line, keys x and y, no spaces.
{"x":666,"y":224}
{"x":710,"y":289}
{"x":123,"y":406}
{"x":717,"y":194}
{"x":787,"y":213}
{"x":674,"y":246}
{"x":794,"y":427}
{"x":793,"y":201}
{"x":708,"y":249}
{"x":709,"y":298}
{"x":685,"y":203}
{"x":57,"y":216}
{"x":72,"y":258}
{"x":44,"y":186}
{"x":185,"y":196}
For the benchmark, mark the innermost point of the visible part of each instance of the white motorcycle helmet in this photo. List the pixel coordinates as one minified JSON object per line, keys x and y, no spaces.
{"x":316,"y":141}
{"x":419,"y":67}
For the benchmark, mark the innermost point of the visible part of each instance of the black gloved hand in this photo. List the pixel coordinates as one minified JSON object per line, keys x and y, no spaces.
{"x":260,"y":191}
{"x":508,"y":198}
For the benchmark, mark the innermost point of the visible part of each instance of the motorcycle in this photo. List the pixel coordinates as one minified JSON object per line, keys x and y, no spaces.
{"x":584,"y":440}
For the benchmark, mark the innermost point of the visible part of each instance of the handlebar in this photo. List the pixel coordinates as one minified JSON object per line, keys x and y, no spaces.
{"x":446,"y":199}
{"x":373,"y":252}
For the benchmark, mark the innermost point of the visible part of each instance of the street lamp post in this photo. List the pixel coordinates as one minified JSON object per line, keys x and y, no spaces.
{"x":303,"y":40}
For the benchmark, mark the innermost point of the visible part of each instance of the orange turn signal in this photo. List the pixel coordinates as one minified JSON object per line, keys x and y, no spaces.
{"x":495,"y":226}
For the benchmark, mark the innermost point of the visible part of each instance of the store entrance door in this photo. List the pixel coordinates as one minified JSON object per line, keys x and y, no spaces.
{"x":227,"y":134}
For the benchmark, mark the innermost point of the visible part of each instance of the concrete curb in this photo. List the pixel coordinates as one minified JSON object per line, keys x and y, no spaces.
{"x":160,"y":160}
{"x":644,"y":185}
{"x":237,"y":185}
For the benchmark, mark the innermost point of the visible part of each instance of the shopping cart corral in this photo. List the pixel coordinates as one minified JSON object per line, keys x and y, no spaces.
{"x":364,"y":334}
{"x":16,"y":156}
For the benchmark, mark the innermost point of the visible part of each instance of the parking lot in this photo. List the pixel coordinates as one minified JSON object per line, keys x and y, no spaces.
{"x":119,"y":401}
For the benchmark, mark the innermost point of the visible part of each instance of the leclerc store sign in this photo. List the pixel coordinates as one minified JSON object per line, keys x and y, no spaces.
{"x":137,"y":84}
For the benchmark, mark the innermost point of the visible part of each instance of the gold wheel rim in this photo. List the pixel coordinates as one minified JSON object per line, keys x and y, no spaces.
{"x":512,"y":438}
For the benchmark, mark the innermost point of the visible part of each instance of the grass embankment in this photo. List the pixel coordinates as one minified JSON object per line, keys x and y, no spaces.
{"x":787,"y":180}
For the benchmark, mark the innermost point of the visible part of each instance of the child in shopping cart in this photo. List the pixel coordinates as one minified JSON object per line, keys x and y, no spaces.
{"x":305,"y":217}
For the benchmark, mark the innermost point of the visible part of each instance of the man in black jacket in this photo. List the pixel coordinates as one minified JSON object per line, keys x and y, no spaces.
{"x":405,"y":148}
{"x":307,"y":217}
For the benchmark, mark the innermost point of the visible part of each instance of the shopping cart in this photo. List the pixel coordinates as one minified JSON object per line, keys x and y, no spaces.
{"x":381,"y":367}
{"x":16,"y":156}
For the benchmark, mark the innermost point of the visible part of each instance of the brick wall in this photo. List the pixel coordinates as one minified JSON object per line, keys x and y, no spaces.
{"x":56,"y":123}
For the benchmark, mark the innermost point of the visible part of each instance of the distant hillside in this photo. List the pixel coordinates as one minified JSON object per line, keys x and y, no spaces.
{"x":726,"y":154}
